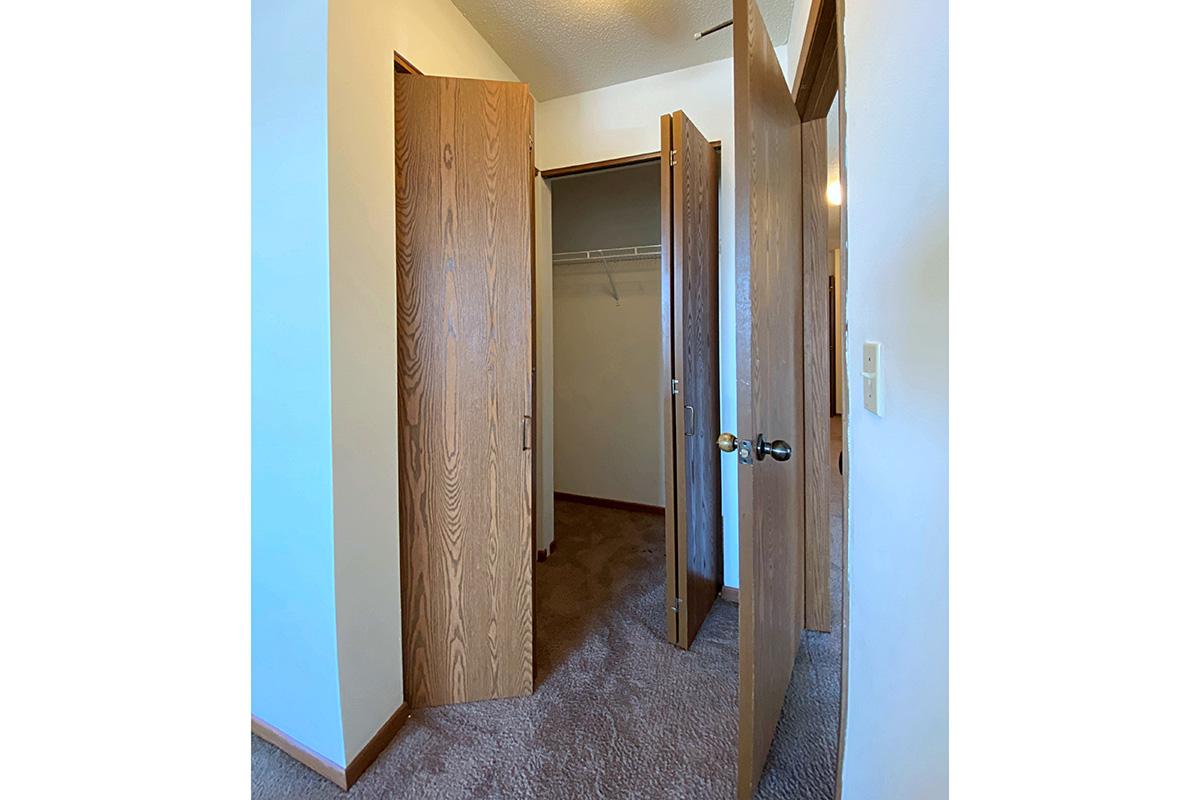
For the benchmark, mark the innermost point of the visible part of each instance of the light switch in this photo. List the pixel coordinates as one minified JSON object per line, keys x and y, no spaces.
{"x":871,"y":357}
{"x":872,"y":373}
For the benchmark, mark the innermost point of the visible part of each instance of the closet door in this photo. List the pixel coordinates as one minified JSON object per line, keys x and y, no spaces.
{"x":691,"y":170}
{"x":465,"y":359}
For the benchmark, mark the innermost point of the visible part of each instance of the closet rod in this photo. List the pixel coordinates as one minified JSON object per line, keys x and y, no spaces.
{"x":713,"y":29}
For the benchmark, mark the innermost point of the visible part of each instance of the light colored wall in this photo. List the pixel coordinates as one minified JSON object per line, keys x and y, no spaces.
{"x":544,"y":386}
{"x":896,"y":262}
{"x":800,"y":11}
{"x":833,"y":169}
{"x":608,"y":420}
{"x":363,"y":34}
{"x":833,"y":156}
{"x":608,"y":429}
{"x":293,"y":650}
{"x":612,"y":208}
{"x":623,"y":120}
{"x":326,"y":656}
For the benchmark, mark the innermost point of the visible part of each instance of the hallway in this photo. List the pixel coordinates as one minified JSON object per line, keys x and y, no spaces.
{"x":617,"y":712}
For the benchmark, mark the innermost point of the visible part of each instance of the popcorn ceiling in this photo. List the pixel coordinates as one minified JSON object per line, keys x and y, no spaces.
{"x":561,"y":47}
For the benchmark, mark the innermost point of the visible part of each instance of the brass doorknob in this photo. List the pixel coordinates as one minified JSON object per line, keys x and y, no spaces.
{"x":727,"y":442}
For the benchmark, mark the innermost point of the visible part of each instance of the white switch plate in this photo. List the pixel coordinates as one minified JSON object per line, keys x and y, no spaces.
{"x":872,"y":373}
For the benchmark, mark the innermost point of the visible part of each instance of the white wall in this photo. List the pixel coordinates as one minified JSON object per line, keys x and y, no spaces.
{"x":363,"y":34}
{"x":896,"y":262}
{"x":833,"y":156}
{"x":795,"y":42}
{"x":608,"y":424}
{"x":608,"y":420}
{"x":622,"y":120}
{"x":294,"y":648}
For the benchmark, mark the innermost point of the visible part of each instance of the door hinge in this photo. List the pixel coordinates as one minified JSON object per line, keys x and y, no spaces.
{"x":674,"y":386}
{"x":678,"y":603}
{"x":672,"y":158}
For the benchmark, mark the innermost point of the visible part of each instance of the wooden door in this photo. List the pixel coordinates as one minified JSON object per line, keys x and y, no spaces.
{"x":831,"y":311}
{"x":770,"y":369}
{"x":465,"y":361}
{"x":690,"y":173}
{"x":816,"y":384}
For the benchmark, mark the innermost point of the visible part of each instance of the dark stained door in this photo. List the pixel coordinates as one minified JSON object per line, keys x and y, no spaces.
{"x":770,"y":369}
{"x":690,"y":174}
{"x":465,"y":361}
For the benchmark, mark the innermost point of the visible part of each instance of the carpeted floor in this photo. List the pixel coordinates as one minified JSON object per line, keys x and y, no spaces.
{"x":617,"y":712}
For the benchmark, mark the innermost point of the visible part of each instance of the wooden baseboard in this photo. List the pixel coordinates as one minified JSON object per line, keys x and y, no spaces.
{"x":729,"y":593}
{"x":542,"y":555}
{"x":624,"y":505}
{"x":317,"y":763}
{"x":343,"y":778}
{"x":371,"y":750}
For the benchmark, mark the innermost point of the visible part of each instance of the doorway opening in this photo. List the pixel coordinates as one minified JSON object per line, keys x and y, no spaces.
{"x":608,"y":461}
{"x":795,"y":590}
{"x":625,"y":417}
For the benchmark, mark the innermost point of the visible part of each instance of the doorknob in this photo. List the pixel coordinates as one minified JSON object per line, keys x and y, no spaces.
{"x":744,"y":447}
{"x":778,"y":449}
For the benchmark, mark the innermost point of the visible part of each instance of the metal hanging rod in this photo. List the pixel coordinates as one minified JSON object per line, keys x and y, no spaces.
{"x":713,"y":29}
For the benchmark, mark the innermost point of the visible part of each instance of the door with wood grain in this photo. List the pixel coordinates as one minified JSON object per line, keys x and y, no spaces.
{"x":690,"y":174}
{"x":769,"y":443}
{"x":814,"y":315}
{"x":465,"y":360}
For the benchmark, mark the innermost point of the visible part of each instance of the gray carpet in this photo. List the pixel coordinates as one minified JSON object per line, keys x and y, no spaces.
{"x":617,"y":712}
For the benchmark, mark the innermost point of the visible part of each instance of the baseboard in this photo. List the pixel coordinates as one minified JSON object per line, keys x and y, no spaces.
{"x":343,"y":778}
{"x":623,"y":505}
{"x":542,"y":555}
{"x":314,"y":761}
{"x":371,"y":750}
{"x":729,"y":593}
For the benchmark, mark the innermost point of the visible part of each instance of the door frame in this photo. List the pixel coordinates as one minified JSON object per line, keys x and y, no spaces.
{"x":666,"y":324}
{"x":820,"y":76}
{"x":403,"y":65}
{"x":610,"y":163}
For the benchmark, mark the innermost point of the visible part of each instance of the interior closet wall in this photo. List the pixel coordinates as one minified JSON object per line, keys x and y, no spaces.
{"x":608,"y":410}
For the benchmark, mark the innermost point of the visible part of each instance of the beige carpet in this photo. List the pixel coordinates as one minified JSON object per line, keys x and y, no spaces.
{"x":617,"y":712}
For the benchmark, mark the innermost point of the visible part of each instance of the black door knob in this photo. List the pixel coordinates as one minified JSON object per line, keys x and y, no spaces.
{"x":778,"y":449}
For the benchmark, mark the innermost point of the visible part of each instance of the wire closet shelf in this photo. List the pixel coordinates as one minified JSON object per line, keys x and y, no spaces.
{"x":607,"y":255}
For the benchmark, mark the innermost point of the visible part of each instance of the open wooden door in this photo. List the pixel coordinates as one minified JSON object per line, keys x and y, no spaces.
{"x":770,"y":370}
{"x":690,"y":173}
{"x":465,"y":360}
{"x":815,"y":304}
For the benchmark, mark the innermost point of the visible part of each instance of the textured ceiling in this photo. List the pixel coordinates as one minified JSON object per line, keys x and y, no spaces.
{"x":565,"y":46}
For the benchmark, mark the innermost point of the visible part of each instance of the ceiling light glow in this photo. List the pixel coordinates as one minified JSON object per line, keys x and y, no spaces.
{"x":833,"y":193}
